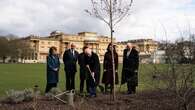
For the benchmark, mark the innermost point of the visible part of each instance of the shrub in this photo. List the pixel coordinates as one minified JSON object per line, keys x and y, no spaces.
{"x":15,"y":96}
{"x":54,"y":91}
{"x":28,"y":94}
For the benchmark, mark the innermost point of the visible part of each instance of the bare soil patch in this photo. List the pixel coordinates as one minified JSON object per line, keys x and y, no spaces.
{"x":148,"y":100}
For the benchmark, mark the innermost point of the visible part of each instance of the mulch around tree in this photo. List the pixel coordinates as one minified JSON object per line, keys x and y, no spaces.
{"x":148,"y":100}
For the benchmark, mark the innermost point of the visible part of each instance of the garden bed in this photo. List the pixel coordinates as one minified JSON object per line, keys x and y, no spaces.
{"x":148,"y":100}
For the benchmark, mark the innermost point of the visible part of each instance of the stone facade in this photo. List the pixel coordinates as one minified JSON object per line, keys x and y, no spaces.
{"x":146,"y":48}
{"x":98,"y":43}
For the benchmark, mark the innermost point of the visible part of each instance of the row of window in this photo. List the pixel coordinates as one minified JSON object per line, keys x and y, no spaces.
{"x":45,"y":47}
{"x":32,"y":56}
{"x":105,"y":40}
{"x":49,"y":42}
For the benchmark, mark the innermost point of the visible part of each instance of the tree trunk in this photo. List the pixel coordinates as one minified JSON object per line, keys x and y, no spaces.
{"x":112,"y":52}
{"x":4,"y":58}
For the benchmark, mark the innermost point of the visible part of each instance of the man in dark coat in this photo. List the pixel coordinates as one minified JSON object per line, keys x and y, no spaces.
{"x":108,"y":68}
{"x":53,"y":66}
{"x":81,"y":62}
{"x":93,"y":70}
{"x":70,"y":61}
{"x":130,"y":68}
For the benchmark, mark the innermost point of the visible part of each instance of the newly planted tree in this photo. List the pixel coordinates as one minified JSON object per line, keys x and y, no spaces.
{"x":111,"y":12}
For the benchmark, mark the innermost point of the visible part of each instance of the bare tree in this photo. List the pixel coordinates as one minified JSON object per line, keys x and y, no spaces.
{"x":111,"y":12}
{"x":4,"y":50}
{"x":177,"y":76}
{"x":20,"y":49}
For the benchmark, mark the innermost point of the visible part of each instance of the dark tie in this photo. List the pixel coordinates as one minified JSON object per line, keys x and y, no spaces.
{"x":72,"y":52}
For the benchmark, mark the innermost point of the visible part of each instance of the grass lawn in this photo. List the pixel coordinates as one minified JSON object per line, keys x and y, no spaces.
{"x":20,"y":76}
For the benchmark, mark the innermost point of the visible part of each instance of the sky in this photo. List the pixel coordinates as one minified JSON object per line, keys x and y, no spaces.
{"x":156,"y":19}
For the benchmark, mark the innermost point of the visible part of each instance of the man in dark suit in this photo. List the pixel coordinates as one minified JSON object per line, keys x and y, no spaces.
{"x":93,"y":70}
{"x":130,"y":68}
{"x":83,"y":74}
{"x":70,"y":61}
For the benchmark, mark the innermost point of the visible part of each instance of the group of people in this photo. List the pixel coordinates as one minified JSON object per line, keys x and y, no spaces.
{"x":90,"y":69}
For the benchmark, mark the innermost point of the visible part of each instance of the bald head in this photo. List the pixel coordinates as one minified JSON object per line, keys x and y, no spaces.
{"x":73,"y":46}
{"x":129,"y":45}
{"x":88,"y":51}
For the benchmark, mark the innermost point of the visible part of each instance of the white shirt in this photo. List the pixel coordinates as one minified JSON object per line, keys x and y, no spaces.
{"x":128,"y":52}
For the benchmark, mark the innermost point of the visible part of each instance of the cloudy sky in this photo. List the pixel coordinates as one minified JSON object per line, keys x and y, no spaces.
{"x":157,"y":19}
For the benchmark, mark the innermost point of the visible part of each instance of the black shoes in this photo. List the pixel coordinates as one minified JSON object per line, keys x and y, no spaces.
{"x":131,"y":92}
{"x":101,"y":88}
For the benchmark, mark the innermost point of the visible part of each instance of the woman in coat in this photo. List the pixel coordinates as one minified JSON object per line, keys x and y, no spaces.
{"x":53,"y":66}
{"x":108,"y":68}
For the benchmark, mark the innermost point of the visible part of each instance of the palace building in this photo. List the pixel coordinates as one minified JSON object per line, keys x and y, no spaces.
{"x":98,"y":43}
{"x":146,"y":47}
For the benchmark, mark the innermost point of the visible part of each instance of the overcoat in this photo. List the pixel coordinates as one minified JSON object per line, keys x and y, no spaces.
{"x":108,"y":68}
{"x":94,"y":64}
{"x":52,"y":63}
{"x":130,"y":67}
{"x":81,"y":62}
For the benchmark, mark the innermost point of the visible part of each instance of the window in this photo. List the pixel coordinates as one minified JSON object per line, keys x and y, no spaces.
{"x":35,"y":56}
